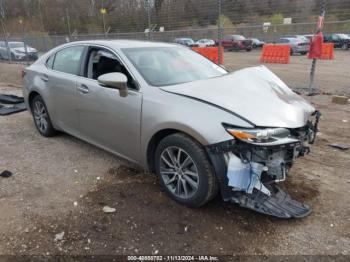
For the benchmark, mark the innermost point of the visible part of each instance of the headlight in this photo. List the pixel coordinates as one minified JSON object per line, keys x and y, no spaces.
{"x":258,"y":136}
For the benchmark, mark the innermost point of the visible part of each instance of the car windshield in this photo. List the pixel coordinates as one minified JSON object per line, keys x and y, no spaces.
{"x":344,"y":36}
{"x":188,"y":41}
{"x":16,"y":45}
{"x":301,"y":37}
{"x":238,"y":37}
{"x":164,"y":66}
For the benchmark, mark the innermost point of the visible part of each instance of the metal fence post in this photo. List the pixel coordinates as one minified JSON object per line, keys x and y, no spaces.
{"x":314,"y":61}
{"x":219,"y":31}
{"x":2,"y":17}
{"x":68,"y":24}
{"x":24,"y":41}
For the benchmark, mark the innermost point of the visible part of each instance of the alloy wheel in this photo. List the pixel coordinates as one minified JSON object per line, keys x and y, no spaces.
{"x":40,"y":116}
{"x":179,"y":172}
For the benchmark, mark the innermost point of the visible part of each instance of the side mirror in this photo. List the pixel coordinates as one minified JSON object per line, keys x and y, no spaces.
{"x":113,"y":80}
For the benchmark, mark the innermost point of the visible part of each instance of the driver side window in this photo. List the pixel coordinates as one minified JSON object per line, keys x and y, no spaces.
{"x":101,"y":61}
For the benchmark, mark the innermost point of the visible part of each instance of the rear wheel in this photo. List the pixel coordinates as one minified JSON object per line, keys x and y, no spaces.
{"x":184,"y":170}
{"x":41,"y":117}
{"x":345,"y":46}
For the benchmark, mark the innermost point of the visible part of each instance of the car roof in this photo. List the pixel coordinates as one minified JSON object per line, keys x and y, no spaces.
{"x":125,"y":43}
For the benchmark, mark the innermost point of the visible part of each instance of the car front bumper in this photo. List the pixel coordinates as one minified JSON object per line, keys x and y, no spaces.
{"x":248,"y":174}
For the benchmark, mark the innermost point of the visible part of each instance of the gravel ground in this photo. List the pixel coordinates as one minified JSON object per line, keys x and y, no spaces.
{"x":61,"y":185}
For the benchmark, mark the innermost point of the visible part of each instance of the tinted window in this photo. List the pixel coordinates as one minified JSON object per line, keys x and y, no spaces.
{"x":68,"y":60}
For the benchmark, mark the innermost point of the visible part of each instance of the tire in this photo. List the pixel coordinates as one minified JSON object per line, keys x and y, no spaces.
{"x":248,"y":50}
{"x":303,"y":53}
{"x":196,"y":174}
{"x":41,"y":117}
{"x":291,"y":52}
{"x":344,"y":47}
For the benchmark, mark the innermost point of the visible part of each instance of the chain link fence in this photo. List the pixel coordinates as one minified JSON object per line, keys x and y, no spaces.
{"x":163,"y":20}
{"x":47,"y":24}
{"x":44,"y":43}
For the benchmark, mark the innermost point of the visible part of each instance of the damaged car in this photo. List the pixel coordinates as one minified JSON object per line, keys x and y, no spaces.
{"x":202,"y":130}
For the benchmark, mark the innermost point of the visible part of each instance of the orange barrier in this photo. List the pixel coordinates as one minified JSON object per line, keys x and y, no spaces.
{"x":211,"y":53}
{"x":275,"y":54}
{"x":327,"y":51}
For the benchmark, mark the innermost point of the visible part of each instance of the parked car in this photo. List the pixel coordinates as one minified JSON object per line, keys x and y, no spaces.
{"x":257,"y":43}
{"x":340,"y":40}
{"x":205,"y":42}
{"x":309,"y":37}
{"x":17,"y":51}
{"x":302,"y":38}
{"x":237,"y":43}
{"x":185,"y":41}
{"x":297,"y":46}
{"x":170,"y":110}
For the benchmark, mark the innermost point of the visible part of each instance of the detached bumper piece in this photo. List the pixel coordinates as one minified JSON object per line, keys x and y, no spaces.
{"x":17,"y":104}
{"x":278,"y":204}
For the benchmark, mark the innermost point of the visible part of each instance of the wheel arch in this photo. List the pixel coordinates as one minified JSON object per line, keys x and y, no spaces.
{"x":31,"y":96}
{"x":156,"y":138}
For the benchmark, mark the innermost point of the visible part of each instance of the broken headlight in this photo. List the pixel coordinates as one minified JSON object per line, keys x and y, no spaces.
{"x":264,"y":136}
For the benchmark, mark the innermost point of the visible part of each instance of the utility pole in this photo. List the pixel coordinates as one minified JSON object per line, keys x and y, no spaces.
{"x":149,"y":20}
{"x":68,"y":23}
{"x":103,"y":12}
{"x":219,"y":31}
{"x":42,"y":24}
{"x":314,"y":61}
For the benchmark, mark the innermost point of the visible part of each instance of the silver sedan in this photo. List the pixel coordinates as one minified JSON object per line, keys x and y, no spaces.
{"x":170,"y":110}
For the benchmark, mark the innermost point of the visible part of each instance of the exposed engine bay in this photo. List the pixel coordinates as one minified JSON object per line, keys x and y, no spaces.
{"x":258,"y":159}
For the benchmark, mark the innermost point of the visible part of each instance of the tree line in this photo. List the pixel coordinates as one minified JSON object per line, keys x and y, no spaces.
{"x":95,"y":16}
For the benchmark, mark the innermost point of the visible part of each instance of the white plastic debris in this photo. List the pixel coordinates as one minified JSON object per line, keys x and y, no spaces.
{"x":59,"y":236}
{"x":108,"y":209}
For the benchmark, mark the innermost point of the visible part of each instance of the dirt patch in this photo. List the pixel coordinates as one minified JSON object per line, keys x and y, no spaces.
{"x":146,"y":220}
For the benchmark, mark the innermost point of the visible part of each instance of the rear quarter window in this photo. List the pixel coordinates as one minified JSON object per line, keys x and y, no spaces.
{"x":49,"y":61}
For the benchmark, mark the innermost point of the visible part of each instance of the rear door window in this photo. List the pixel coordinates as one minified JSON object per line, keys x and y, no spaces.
{"x":68,"y":60}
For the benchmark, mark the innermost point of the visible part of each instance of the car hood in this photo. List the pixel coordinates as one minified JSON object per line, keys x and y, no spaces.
{"x":22,"y":49}
{"x":255,"y":94}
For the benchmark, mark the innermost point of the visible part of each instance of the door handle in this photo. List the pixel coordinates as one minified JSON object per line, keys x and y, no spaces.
{"x":83,"y":89}
{"x":45,"y":78}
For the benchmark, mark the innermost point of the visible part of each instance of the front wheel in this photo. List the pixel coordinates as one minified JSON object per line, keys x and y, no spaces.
{"x":184,"y":170}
